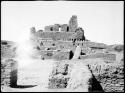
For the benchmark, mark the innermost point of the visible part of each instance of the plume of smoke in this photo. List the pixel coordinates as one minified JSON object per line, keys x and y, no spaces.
{"x":24,"y":50}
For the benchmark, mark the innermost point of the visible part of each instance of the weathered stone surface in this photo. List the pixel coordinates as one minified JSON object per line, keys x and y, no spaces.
{"x":61,"y":55}
{"x":56,"y":27}
{"x":58,"y":78}
{"x":8,"y":66}
{"x":8,"y":49}
{"x":47,"y":28}
{"x":65,"y":28}
{"x":74,"y":76}
{"x":73,"y":23}
{"x":80,"y":34}
{"x":32,"y":30}
{"x":110,"y":75}
{"x":104,"y":56}
{"x":54,"y":35}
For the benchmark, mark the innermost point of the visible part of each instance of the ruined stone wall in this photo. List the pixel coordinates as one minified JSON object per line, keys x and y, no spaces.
{"x":8,"y":64}
{"x":104,"y":56}
{"x":61,"y":55}
{"x":64,"y":28}
{"x":84,"y":44}
{"x":54,"y":27}
{"x":7,"y":51}
{"x":73,"y":24}
{"x":57,"y":55}
{"x":47,"y":43}
{"x":8,"y":72}
{"x":55,"y":44}
{"x":110,"y":75}
{"x":80,"y":34}
{"x":64,"y":45}
{"x":91,"y":44}
{"x":66,"y":36}
{"x":46,"y":54}
{"x":57,"y":27}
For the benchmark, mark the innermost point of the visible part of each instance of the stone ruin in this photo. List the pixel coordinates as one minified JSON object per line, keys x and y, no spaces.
{"x":59,"y":42}
{"x":71,"y":27}
{"x":56,"y":41}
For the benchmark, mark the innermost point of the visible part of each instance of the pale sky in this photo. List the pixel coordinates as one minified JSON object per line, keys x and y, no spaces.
{"x":102,"y":21}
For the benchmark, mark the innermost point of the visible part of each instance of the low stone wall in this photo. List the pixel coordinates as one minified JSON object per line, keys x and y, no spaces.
{"x":73,"y":75}
{"x":110,"y":75}
{"x":8,"y":72}
{"x":58,"y":78}
{"x":91,"y":44}
{"x":57,"y":55}
{"x":55,"y":35}
{"x":46,"y":54}
{"x":61,"y":55}
{"x":7,"y":52}
{"x":104,"y":56}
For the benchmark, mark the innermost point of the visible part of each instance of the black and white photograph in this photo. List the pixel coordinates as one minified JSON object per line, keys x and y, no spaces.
{"x":62,"y":46}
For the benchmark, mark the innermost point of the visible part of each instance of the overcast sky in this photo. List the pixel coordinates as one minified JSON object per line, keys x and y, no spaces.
{"x":102,"y":21}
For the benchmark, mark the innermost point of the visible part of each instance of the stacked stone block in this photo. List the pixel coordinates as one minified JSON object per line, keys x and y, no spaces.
{"x":110,"y":75}
{"x":104,"y":56}
{"x":47,"y":28}
{"x":61,"y":55}
{"x":56,"y":27}
{"x":73,"y":23}
{"x":8,"y":77}
{"x":65,"y":28}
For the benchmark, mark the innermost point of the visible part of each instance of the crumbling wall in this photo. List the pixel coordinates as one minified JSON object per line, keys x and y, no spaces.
{"x":56,"y":35}
{"x":58,"y":77}
{"x":61,"y":55}
{"x":47,"y":28}
{"x":64,"y":28}
{"x":8,"y":72}
{"x":54,"y":27}
{"x":8,"y":64}
{"x":57,"y":55}
{"x":62,"y":77}
{"x":7,"y":51}
{"x":80,"y":34}
{"x":104,"y":56}
{"x":91,"y":44}
{"x":110,"y":75}
{"x":73,"y":23}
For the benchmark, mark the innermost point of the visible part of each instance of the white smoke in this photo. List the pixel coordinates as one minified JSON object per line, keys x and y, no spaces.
{"x":31,"y":71}
{"x":24,"y":51}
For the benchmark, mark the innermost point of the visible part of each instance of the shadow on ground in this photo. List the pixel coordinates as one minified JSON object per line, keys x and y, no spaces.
{"x":96,"y":86}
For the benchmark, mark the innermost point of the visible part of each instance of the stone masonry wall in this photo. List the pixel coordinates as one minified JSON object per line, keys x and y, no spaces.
{"x":56,"y":35}
{"x":110,"y":75}
{"x":104,"y":56}
{"x":8,"y":72}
